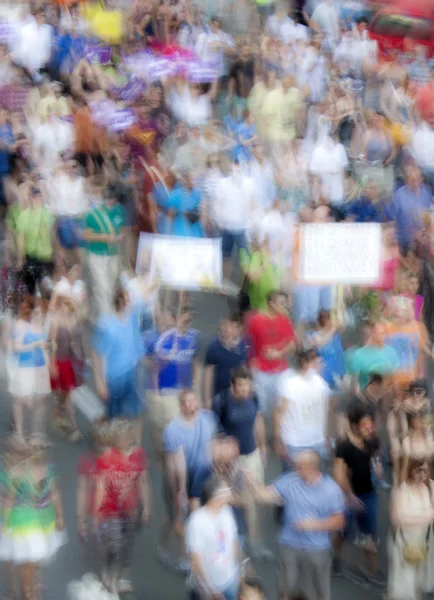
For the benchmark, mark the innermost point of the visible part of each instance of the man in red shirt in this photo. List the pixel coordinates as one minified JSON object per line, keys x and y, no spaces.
{"x":272,"y":339}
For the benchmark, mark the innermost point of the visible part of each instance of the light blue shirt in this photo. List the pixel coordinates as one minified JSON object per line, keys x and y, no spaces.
{"x":304,"y":501}
{"x":119,"y":341}
{"x":195,"y":438}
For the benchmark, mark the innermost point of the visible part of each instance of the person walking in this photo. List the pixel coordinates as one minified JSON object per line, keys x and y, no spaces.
{"x":212,"y":545}
{"x":314,"y":507}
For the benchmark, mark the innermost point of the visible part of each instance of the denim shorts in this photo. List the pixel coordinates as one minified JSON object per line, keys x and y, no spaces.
{"x":363,"y":521}
{"x":230,"y":239}
{"x":124,"y":400}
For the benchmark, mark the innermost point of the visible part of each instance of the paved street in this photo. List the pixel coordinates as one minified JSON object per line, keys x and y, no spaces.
{"x":152,"y":581}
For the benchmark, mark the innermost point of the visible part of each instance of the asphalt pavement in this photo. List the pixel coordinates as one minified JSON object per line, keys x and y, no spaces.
{"x":151,"y":580}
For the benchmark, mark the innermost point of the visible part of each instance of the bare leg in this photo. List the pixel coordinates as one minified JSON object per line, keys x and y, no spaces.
{"x":28,"y":574}
{"x":17,"y":415}
{"x":69,"y":408}
{"x":38,"y":416}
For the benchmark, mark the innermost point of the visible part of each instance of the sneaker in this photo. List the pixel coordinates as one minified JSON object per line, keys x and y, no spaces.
{"x":258,"y":551}
{"x":75,"y":436}
{"x":337,"y":567}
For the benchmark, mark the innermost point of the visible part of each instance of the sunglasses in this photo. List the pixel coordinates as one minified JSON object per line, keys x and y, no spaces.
{"x":417,"y":391}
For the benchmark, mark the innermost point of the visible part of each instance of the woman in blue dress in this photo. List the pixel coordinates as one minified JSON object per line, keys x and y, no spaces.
{"x":328,"y":342}
{"x":184,"y":207}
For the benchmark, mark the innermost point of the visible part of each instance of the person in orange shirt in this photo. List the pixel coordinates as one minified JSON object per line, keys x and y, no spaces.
{"x":410,"y":340}
{"x":90,"y":139}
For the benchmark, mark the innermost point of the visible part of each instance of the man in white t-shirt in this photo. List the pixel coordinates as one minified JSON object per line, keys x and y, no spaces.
{"x":328,"y":163}
{"x":301,"y":416}
{"x":211,"y":539}
{"x":325,"y":20}
{"x":212,"y":47}
{"x":235,"y":202}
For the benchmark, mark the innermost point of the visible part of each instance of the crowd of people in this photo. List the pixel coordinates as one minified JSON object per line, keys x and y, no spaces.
{"x":241,"y":121}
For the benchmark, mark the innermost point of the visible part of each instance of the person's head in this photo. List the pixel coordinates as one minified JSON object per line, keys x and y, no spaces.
{"x":216,"y":492}
{"x":412,"y":284}
{"x":241,"y":383}
{"x":121,"y":300}
{"x":35,"y":195}
{"x":362,"y":23}
{"x":215,"y":24}
{"x":225,"y":451}
{"x":417,"y":471}
{"x":413,"y":177}
{"x":277,"y":302}
{"x":308,"y":465}
{"x":371,"y":191}
{"x":418,"y":388}
{"x":123,"y":434}
{"x":230,"y":328}
{"x":376,"y":384}
{"x":189,"y":403}
{"x":288,"y":82}
{"x":185,"y":319}
{"x":110,"y":195}
{"x":324,"y":318}
{"x":372,"y":334}
{"x":308,"y":359}
{"x":245,"y":52}
{"x":31,"y":309}
{"x":71,"y":269}
{"x":361,"y":423}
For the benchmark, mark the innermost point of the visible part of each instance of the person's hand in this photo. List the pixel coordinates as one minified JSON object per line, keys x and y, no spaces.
{"x":306,"y":525}
{"x":101,"y":390}
{"x":60,"y":525}
{"x":54,"y":372}
{"x":355,"y":503}
{"x":82,"y":529}
{"x":217,"y":596}
{"x":279,"y":450}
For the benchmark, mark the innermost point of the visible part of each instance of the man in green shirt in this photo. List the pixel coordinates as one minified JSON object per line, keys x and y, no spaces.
{"x":103,"y":233}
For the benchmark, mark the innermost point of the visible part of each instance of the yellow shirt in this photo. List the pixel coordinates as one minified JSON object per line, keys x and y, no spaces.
{"x":255,"y":100}
{"x":278,"y":114}
{"x":50,"y":105}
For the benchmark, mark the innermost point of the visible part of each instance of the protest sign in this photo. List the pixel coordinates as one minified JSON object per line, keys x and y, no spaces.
{"x":201,"y":72}
{"x":182,"y":263}
{"x":132,"y":92}
{"x":14,"y":97}
{"x":345,"y":253}
{"x":97,"y":53}
{"x":8,"y":31}
{"x":120,"y":120}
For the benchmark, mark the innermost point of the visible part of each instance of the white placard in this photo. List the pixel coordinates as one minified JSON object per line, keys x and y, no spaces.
{"x":184,"y":263}
{"x":347,"y":253}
